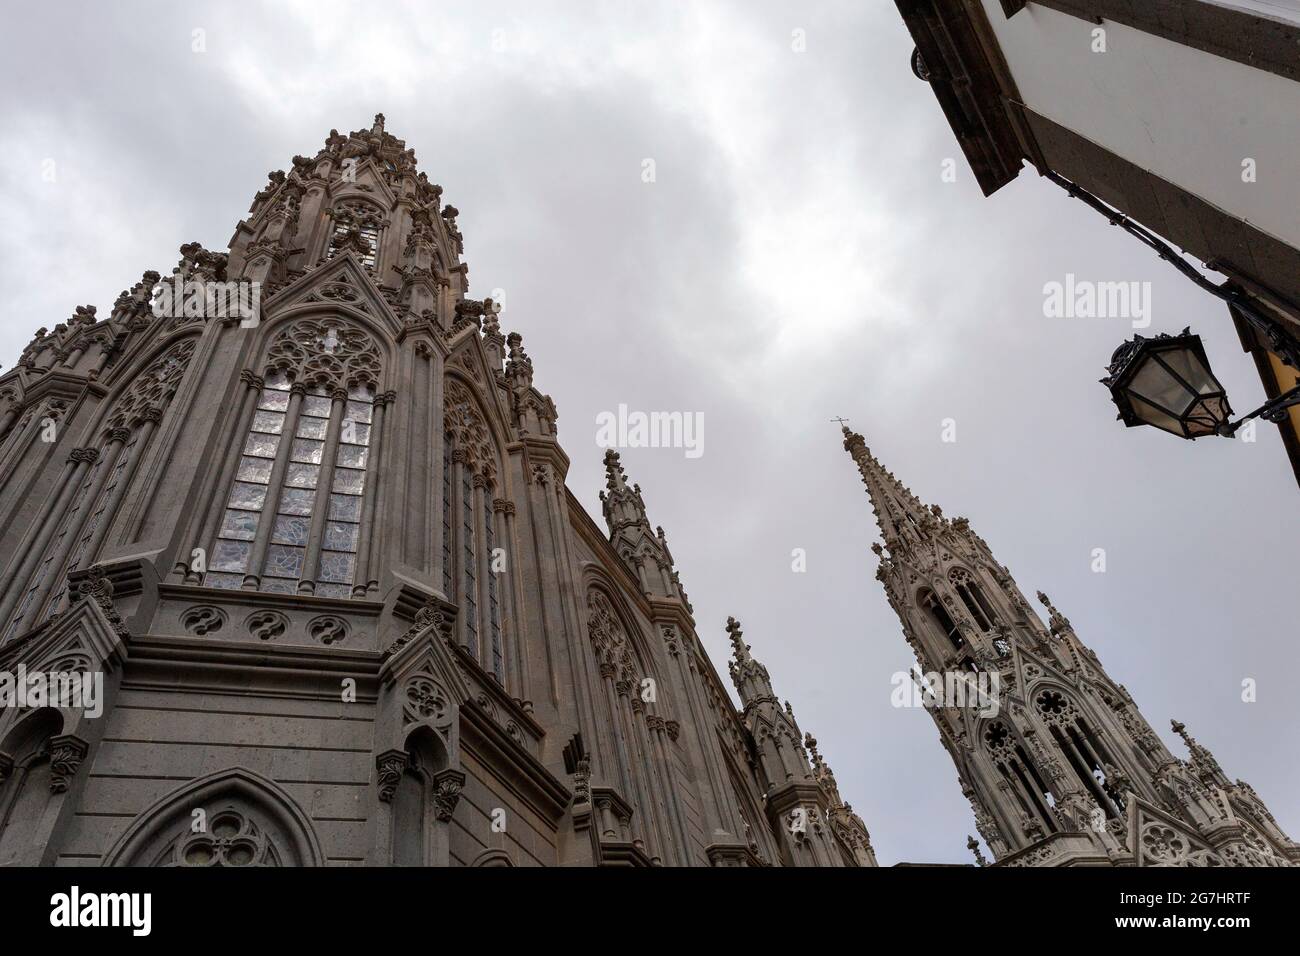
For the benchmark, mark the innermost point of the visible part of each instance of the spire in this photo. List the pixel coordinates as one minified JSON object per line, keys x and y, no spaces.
{"x":519,"y":367}
{"x":898,"y":511}
{"x":623,"y":506}
{"x":1056,"y":621}
{"x":645,"y":551}
{"x":822,"y":772}
{"x":1202,"y":762}
{"x":750,"y":677}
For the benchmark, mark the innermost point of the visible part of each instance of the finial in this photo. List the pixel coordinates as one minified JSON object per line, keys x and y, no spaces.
{"x":613,"y":469}
{"x":973,"y":845}
{"x":738,"y":646}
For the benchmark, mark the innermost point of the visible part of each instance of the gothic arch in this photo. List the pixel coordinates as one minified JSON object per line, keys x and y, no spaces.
{"x":754,"y":829}
{"x":1012,"y":758}
{"x":334,"y":347}
{"x":936,"y":613}
{"x":322,"y":310}
{"x":970,"y":591}
{"x":1082,"y":741}
{"x":151,"y":382}
{"x":420,"y":807}
{"x":29,"y":774}
{"x":260,"y":822}
{"x":597,"y":582}
{"x":479,"y":432}
{"x":492,"y":858}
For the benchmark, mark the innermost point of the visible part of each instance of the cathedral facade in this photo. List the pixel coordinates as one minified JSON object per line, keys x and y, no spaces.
{"x":1065,"y":770}
{"x":301,"y":511}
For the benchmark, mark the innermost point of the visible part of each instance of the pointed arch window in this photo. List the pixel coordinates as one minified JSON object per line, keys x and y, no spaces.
{"x":99,"y":488}
{"x":469,"y":531}
{"x":1032,"y":795}
{"x":940,"y":616}
{"x":24,"y":610}
{"x":91,"y":527}
{"x":1084,"y":751}
{"x":292,"y":521}
{"x":973,"y":598}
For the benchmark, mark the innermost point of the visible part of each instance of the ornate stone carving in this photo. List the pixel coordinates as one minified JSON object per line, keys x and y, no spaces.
{"x":447,"y":785}
{"x":389,"y":767}
{"x":66,"y":753}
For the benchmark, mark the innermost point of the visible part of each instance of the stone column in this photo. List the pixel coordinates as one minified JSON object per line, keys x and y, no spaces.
{"x":45,"y":523}
{"x":368,"y":532}
{"x":324,"y":479}
{"x":117,"y":439}
{"x":257,"y":557}
{"x":211,"y":510}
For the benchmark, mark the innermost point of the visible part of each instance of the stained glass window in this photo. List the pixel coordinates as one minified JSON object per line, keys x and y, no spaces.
{"x":346,"y":490}
{"x":229,"y":559}
{"x":311,"y":479}
{"x":286,"y":555}
{"x":494,"y":607}
{"x":469,"y":596}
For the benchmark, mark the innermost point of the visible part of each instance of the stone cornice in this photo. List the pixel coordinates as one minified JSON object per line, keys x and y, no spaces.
{"x":532,"y":782}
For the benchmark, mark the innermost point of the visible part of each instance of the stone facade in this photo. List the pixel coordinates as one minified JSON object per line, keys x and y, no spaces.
{"x":1067,"y":772}
{"x":345,"y":608}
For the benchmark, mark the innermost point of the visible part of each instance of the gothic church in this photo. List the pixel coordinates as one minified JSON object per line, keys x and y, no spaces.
{"x":346,"y":610}
{"x":343,"y":602}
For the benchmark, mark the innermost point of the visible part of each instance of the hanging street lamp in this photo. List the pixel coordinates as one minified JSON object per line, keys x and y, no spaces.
{"x":1166,"y":381}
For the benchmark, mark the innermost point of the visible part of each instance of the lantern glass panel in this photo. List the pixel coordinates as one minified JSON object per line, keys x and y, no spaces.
{"x":1154,"y":383}
{"x":1188,"y":365}
{"x":1154,"y":416}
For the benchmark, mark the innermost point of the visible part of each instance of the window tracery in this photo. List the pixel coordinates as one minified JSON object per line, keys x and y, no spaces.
{"x":356,"y":226}
{"x":1083,"y":748}
{"x":153,"y":387}
{"x":1019,"y":772}
{"x":231,"y":839}
{"x":293,"y":516}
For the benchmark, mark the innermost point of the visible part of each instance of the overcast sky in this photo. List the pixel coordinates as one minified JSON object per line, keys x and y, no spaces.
{"x":797,"y":257}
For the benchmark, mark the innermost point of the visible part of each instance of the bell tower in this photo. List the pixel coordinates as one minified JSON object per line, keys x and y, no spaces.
{"x":1062,"y":768}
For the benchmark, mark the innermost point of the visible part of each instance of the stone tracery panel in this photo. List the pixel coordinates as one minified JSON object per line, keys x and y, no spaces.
{"x":154,"y":386}
{"x":468,"y":431}
{"x":608,"y":636}
{"x":325,"y":351}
